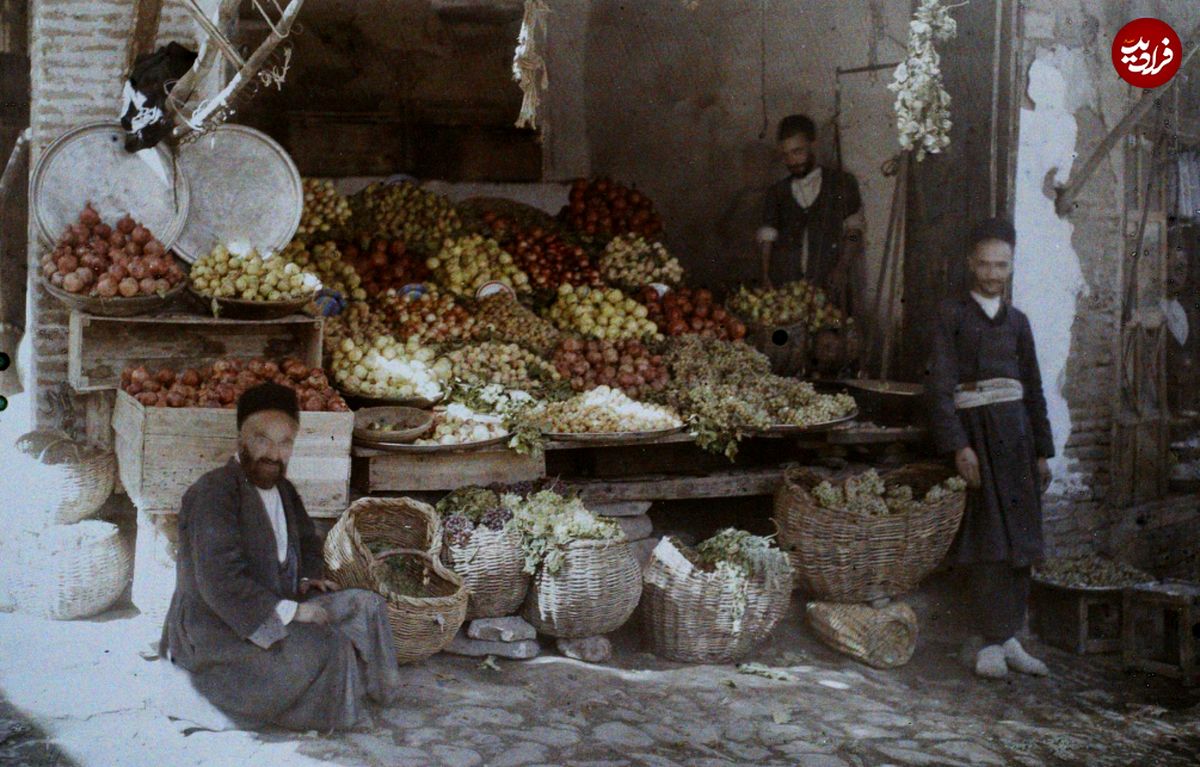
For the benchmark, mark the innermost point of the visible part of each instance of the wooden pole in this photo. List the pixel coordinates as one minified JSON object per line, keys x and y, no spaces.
{"x":146,"y":14}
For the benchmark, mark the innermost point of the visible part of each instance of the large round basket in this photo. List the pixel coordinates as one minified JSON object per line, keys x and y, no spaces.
{"x":844,"y":557}
{"x":693,"y":616}
{"x":595,"y":592}
{"x":68,"y":571}
{"x":883,"y":638}
{"x":72,"y":482}
{"x":492,"y":567}
{"x":421,"y":625}
{"x":786,"y":346}
{"x":114,"y":307}
{"x":380,"y":524}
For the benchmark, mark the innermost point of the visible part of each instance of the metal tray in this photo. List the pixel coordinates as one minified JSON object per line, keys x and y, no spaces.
{"x":816,"y":428}
{"x":240,"y":309}
{"x":90,"y":164}
{"x":114,"y":307}
{"x":245,"y":188}
{"x":612,"y":437}
{"x":463,"y":448}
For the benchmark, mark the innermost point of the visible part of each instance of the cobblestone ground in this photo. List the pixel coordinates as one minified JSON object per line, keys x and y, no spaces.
{"x":24,"y":745}
{"x":641,"y":711}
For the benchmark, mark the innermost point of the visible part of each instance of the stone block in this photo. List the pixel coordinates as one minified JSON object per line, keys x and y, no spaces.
{"x":643,"y":549}
{"x":625,"y":509}
{"x":636,"y":528}
{"x":588,"y":649}
{"x":510,"y":629}
{"x":477,"y":648}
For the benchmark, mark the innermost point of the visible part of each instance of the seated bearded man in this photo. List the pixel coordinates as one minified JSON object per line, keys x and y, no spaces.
{"x":265,"y":638}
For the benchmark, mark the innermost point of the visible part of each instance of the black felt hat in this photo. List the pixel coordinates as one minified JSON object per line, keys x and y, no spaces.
{"x":268,"y":396}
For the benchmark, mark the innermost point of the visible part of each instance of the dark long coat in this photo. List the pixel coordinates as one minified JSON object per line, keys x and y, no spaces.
{"x":222,"y":626}
{"x":1003,"y":520}
{"x":821,"y":223}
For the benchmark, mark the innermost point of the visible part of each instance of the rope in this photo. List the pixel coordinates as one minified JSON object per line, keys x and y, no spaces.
{"x":529,"y":68}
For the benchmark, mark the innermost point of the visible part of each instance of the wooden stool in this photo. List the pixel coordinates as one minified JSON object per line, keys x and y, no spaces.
{"x":1080,"y":620}
{"x":1161,"y":629}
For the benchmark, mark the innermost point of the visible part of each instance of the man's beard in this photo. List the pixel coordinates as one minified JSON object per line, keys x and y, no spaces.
{"x":263,"y":473}
{"x":800,"y":171}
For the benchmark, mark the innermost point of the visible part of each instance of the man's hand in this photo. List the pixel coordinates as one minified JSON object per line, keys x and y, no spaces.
{"x":967,"y":464}
{"x":1044,"y":474}
{"x":308,"y":612}
{"x":317,"y":584}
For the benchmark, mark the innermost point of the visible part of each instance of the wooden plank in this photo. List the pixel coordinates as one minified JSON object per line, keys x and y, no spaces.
{"x":415,"y":472}
{"x":146,"y":14}
{"x":873,"y":436}
{"x":731,"y":484}
{"x":101,"y":347}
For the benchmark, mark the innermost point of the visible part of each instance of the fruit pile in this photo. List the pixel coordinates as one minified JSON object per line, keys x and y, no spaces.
{"x":543,"y":254}
{"x":789,"y":304}
{"x":98,"y":260}
{"x":601,"y":207}
{"x":384,"y":263}
{"x":459,"y":425}
{"x":251,"y":277}
{"x":500,"y":317}
{"x":631,"y":261}
{"x":326,"y":212}
{"x":506,"y":364}
{"x":384,"y":368}
{"x":1090,"y":571}
{"x":598,"y":313}
{"x":326,"y":262}
{"x":219,"y":385}
{"x":429,"y":317}
{"x":357,"y":322}
{"x":684,"y":310}
{"x":627,"y":365}
{"x":419,"y":218}
{"x":466,"y":264}
{"x":604,"y":410}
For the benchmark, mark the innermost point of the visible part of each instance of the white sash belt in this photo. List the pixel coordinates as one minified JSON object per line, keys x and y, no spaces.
{"x":990,"y":392}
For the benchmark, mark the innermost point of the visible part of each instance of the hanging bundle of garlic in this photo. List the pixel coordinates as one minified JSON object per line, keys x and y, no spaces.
{"x":529,"y":67}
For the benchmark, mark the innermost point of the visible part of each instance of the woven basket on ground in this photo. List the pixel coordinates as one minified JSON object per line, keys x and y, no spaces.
{"x":595,"y":592}
{"x":68,"y":571}
{"x":71,"y":481}
{"x":883,"y":638}
{"x":382,"y":523}
{"x":421,"y":625}
{"x":691,"y":615}
{"x":492,"y":567}
{"x":843,"y":557}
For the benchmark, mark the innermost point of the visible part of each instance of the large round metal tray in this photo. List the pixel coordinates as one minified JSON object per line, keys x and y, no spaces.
{"x":612,"y":437}
{"x":90,"y":164}
{"x":423,"y":422}
{"x":816,"y":428}
{"x":244,"y":188}
{"x":888,"y":388}
{"x":114,"y":307}
{"x":463,"y":448}
{"x":240,"y":309}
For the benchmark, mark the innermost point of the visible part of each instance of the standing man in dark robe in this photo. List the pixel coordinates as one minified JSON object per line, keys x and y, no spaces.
{"x":988,"y":411}
{"x":266,"y":638}
{"x":812,"y":220}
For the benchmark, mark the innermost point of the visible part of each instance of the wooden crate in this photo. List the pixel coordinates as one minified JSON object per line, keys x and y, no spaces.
{"x":1161,"y":629}
{"x":162,"y":451}
{"x":377,"y":471}
{"x":99,"y":348}
{"x":1082,"y":621}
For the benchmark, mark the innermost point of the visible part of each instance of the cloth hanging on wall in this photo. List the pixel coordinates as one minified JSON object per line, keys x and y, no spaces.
{"x":144,"y":117}
{"x":529,"y":67}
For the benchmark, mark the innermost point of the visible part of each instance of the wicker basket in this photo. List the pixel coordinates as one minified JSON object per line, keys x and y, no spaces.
{"x":74,"y":489}
{"x":688,"y":614}
{"x":595,"y":592}
{"x":883,"y":638}
{"x":492,"y":567}
{"x":842,"y":557}
{"x":68,"y":571}
{"x":421,"y":626}
{"x":386,"y":523}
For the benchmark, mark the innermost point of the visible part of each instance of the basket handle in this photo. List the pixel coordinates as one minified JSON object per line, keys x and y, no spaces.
{"x":392,"y":552}
{"x":59,"y":441}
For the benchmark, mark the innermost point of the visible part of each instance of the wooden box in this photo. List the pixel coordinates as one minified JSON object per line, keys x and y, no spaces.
{"x":101,"y":347}
{"x":376,"y":471}
{"x":162,"y":451}
{"x":1082,"y":621}
{"x":1161,"y":629}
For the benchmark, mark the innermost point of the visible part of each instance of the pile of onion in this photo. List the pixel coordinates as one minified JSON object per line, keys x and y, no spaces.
{"x":219,"y":385}
{"x":102,"y":261}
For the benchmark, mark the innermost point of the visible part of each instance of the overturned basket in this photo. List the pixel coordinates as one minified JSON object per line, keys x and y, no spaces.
{"x":492,"y":567}
{"x":692,"y":616}
{"x":595,"y":592}
{"x":422,"y":625}
{"x":68,"y":571}
{"x":382,"y":524}
{"x":845,"y":557}
{"x":884,"y":638}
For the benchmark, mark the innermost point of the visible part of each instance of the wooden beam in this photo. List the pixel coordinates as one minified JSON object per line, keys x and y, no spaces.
{"x":145,"y":31}
{"x":731,"y":484}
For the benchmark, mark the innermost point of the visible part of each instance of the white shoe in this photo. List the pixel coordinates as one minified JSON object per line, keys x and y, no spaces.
{"x":1019,"y":660}
{"x":990,"y":662}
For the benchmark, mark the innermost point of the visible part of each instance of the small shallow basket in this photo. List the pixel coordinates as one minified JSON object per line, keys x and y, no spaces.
{"x":883,"y":638}
{"x":69,"y":571}
{"x":688,"y":614}
{"x":421,"y":626}
{"x":492,"y":567}
{"x":390,"y":523}
{"x":71,"y":491}
{"x":595,"y":592}
{"x":241,"y":309}
{"x":843,"y":557}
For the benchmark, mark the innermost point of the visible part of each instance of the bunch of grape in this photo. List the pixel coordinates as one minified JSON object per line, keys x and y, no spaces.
{"x":457,"y":529}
